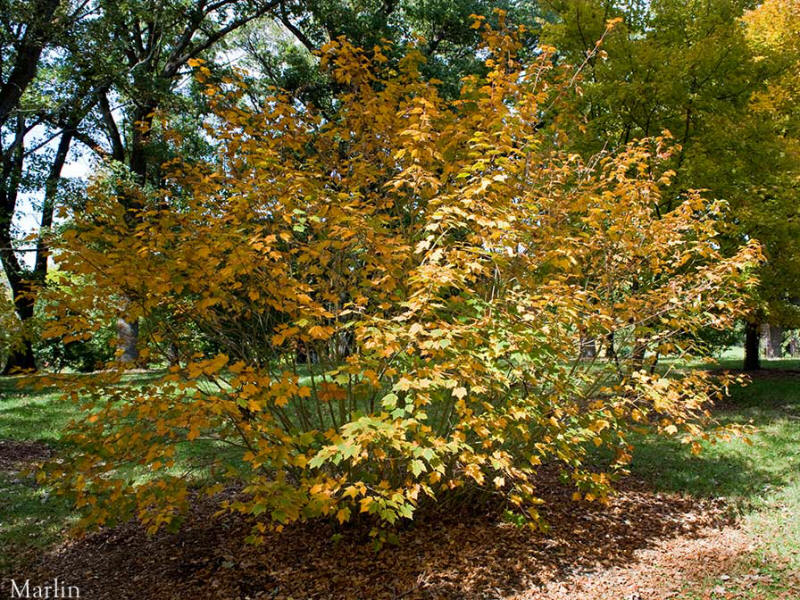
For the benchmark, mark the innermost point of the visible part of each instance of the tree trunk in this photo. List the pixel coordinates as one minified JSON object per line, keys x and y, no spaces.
{"x":611,"y":352}
{"x":11,"y":174}
{"x":763,"y":340}
{"x":794,"y":346}
{"x":588,"y":347}
{"x":139,"y":159}
{"x":21,"y":359}
{"x":49,"y":204}
{"x":128,"y":332}
{"x":752,"y":361}
{"x":639,"y":350}
{"x":128,"y":338}
{"x":775,"y":341}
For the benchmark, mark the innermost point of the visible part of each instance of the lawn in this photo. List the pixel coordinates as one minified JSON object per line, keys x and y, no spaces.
{"x":31,"y":422}
{"x":759,"y":482}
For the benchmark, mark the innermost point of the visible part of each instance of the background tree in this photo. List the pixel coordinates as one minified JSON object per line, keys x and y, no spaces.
{"x":28,"y":31}
{"x":773,"y":30}
{"x":689,"y":68}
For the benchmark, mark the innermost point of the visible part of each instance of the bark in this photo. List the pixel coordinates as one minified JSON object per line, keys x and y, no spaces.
{"x":128,"y":338}
{"x":794,"y":346}
{"x":26,"y":63}
{"x":173,"y":354}
{"x":23,"y":298}
{"x":588,"y":348}
{"x":21,"y":360}
{"x":21,"y":357}
{"x":611,"y":352}
{"x":128,"y":331}
{"x":752,"y":361}
{"x":775,"y":345}
{"x":140,"y":141}
{"x":639,"y":351}
{"x":50,"y":192}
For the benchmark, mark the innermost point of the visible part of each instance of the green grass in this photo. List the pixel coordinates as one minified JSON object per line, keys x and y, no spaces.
{"x":761,"y":480}
{"x":744,"y":473}
{"x":30,"y":415}
{"x":30,"y":518}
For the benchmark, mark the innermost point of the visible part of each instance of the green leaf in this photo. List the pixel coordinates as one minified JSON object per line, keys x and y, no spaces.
{"x":389,"y":401}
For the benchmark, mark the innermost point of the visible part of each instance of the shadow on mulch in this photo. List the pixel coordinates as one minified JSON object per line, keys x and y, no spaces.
{"x":771,"y":373}
{"x":774,"y":373}
{"x":456,"y":554}
{"x":15,"y":455}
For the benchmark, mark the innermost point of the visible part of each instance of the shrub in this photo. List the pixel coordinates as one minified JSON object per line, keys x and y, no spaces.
{"x":397,"y":296}
{"x":11,"y":330}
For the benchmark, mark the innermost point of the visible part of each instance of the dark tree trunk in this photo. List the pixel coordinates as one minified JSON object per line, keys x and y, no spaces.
{"x":21,"y":359}
{"x":752,"y":361}
{"x":173,"y":354}
{"x":611,"y":352}
{"x":48,"y":207}
{"x":10,"y":176}
{"x":139,"y":159}
{"x":638,"y":354}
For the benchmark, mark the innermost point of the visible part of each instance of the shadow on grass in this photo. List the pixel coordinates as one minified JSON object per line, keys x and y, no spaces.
{"x":721,"y":471}
{"x":32,"y":422}
{"x":735,"y":469}
{"x":30,"y":519}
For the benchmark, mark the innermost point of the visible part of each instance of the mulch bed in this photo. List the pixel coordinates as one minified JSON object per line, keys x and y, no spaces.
{"x":464,"y":553}
{"x":15,"y":455}
{"x":774,"y":373}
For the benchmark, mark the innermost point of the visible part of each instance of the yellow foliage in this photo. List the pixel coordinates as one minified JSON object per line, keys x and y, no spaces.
{"x":381,"y":307}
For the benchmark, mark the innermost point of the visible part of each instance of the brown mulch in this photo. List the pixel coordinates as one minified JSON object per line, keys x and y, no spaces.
{"x":774,"y":373}
{"x":465,"y":553}
{"x":658,"y":572}
{"x":15,"y":455}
